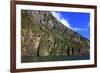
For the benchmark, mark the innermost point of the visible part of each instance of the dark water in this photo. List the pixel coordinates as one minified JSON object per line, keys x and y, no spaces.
{"x":53,"y":58}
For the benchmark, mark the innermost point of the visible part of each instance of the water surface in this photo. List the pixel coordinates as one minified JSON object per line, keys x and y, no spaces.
{"x":53,"y":58}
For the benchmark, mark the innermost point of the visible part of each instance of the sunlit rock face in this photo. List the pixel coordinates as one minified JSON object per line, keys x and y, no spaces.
{"x":43,"y":35}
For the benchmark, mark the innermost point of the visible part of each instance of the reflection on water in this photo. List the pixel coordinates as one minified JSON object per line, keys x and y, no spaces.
{"x":53,"y":58}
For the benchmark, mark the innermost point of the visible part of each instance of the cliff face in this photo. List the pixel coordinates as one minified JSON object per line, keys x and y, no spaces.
{"x":43,"y":35}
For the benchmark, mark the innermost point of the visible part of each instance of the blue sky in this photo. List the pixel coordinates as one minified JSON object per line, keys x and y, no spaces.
{"x":77,"y":21}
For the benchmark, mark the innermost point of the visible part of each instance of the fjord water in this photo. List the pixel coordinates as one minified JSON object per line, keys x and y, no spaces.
{"x":53,"y":58}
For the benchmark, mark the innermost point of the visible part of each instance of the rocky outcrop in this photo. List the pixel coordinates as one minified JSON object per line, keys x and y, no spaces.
{"x":43,"y":35}
{"x":30,"y":43}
